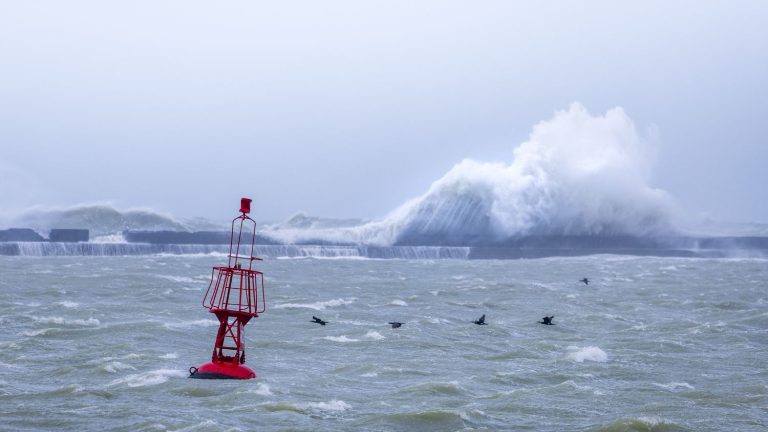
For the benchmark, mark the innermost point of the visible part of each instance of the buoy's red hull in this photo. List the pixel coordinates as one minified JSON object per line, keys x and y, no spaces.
{"x":222,"y":370}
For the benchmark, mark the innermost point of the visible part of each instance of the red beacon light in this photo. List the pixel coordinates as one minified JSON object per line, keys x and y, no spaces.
{"x":235,"y":295}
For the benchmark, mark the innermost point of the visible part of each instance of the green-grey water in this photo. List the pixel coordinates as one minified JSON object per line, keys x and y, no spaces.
{"x":662,"y":344}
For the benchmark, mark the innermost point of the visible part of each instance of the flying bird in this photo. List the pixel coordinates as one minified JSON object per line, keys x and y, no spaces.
{"x":480,"y":321}
{"x":318,"y":320}
{"x":547,"y":320}
{"x":585,"y":280}
{"x":395,"y":324}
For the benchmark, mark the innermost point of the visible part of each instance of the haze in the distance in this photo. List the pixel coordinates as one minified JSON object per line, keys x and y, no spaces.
{"x":349,"y":109}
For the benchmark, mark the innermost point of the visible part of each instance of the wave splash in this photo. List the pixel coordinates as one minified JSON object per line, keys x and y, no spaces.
{"x":578,"y":174}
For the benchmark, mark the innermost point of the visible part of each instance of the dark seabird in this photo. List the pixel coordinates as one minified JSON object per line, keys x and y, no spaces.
{"x":318,"y":320}
{"x":480,"y":321}
{"x":547,"y":320}
{"x":395,"y":324}
{"x":585,"y":280}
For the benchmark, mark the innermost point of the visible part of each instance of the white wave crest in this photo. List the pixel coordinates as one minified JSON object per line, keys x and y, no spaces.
{"x":675,"y":385}
{"x":316,"y":306}
{"x":183,"y":279}
{"x":654,"y":421}
{"x":590,"y":353}
{"x":188,"y":324}
{"x":398,"y":302}
{"x":90,"y":322}
{"x":332,"y":405}
{"x":342,"y":339}
{"x":261,"y":390}
{"x":150,"y":378}
{"x":374,"y":335}
{"x":115,"y":366}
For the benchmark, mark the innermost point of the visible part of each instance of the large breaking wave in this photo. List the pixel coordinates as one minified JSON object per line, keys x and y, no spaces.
{"x":578,"y":174}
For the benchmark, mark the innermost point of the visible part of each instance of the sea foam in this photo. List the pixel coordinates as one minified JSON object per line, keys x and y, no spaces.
{"x":590,"y":353}
{"x":317,"y":305}
{"x":150,"y":378}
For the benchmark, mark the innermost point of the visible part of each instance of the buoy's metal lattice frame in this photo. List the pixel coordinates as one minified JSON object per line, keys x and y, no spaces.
{"x":235,"y":295}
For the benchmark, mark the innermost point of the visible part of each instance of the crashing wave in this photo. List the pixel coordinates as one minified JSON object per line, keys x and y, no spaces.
{"x":577,"y":174}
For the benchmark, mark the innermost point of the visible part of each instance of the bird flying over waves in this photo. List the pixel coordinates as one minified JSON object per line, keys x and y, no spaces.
{"x":547,"y":320}
{"x":318,"y":320}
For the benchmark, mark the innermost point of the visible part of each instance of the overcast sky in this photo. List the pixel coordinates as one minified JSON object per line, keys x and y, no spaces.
{"x":347,"y":109}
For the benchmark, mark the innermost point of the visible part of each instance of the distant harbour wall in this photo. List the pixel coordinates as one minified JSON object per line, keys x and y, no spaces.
{"x":74,"y":242}
{"x":56,"y":235}
{"x":270,"y":251}
{"x":42,"y":249}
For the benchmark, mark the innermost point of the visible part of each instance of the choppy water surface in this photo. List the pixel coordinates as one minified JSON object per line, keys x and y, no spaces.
{"x":104,"y":343}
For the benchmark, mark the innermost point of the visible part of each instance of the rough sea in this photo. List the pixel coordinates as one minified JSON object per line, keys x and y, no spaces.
{"x":651,"y":344}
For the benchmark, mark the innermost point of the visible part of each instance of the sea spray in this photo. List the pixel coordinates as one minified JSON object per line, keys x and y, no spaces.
{"x":577,"y":174}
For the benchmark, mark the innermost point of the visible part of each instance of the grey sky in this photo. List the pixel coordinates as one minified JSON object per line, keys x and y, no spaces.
{"x":347,"y":109}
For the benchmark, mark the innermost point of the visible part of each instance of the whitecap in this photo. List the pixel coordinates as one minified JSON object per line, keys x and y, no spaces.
{"x":261,"y":390}
{"x":114,"y":367}
{"x":653,"y":421}
{"x":342,"y":338}
{"x":317,"y":305}
{"x":675,"y":385}
{"x":183,"y":279}
{"x":150,"y":378}
{"x":68,"y":304}
{"x":41,"y":332}
{"x":207,"y":322}
{"x":332,"y":405}
{"x":90,"y":322}
{"x":374,"y":335}
{"x":398,"y":302}
{"x":169,"y":356}
{"x":590,"y":353}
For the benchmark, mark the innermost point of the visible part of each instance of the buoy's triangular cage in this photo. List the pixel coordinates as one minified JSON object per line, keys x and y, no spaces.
{"x":235,"y":295}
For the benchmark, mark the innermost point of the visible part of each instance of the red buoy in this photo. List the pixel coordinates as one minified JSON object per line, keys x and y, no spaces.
{"x":235,"y":295}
